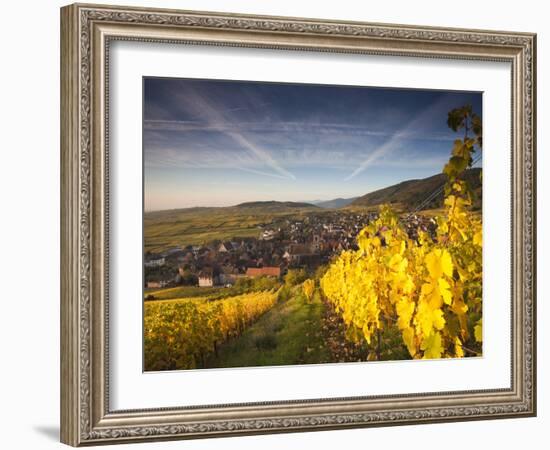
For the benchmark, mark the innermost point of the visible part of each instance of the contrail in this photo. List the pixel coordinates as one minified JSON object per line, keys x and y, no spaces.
{"x":202,"y":108}
{"x":262,"y":154}
{"x":380,"y":151}
{"x":260,"y":172}
{"x":436,"y":109}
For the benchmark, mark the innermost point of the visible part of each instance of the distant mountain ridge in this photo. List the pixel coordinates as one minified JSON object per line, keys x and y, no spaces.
{"x":411,"y":193}
{"x":272,"y":204}
{"x":335,"y":203}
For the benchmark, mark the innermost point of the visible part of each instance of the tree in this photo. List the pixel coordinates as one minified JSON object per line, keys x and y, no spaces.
{"x":188,"y":278}
{"x":295,"y":277}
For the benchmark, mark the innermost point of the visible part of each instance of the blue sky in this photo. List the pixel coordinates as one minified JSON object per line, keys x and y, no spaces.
{"x":220,"y":143}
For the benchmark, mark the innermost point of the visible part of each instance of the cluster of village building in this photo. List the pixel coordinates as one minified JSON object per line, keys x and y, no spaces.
{"x":303,"y":242}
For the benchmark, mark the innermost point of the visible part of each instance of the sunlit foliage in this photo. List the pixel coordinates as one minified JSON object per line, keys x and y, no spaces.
{"x":429,"y":288}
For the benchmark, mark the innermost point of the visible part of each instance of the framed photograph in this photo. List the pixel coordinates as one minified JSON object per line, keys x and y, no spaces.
{"x":276,"y":224}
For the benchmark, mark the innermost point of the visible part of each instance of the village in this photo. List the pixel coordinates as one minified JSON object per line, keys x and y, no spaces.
{"x":302,"y":242}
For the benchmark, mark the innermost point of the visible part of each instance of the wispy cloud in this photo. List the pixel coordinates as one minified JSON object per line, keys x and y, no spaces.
{"x":206,"y":109}
{"x":291,"y":128}
{"x":345,"y":159}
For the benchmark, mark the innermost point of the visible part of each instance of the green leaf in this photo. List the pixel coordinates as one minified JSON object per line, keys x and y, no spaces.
{"x":455,"y":120}
{"x":455,"y":167}
{"x":477,"y":127}
{"x":459,"y":148}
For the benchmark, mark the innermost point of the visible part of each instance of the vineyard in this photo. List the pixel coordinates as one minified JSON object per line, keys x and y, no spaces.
{"x":182,"y":333}
{"x":429,"y":288}
{"x":399,"y":292}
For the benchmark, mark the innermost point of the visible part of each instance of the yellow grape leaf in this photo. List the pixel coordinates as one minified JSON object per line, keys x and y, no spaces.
{"x":363,"y":243}
{"x":423,"y":318}
{"x":408,"y":338}
{"x":439,"y":262}
{"x":432,"y":346}
{"x":478,"y":238}
{"x":459,"y":352}
{"x":462,"y":273}
{"x":458,"y":148}
{"x":408,"y":286}
{"x":426,"y":289}
{"x":428,"y":318}
{"x":450,"y":200}
{"x":478,"y":332}
{"x":445,"y":290}
{"x":434,"y":298}
{"x":402,"y":247}
{"x":367,"y":333}
{"x":433,"y":263}
{"x":438,"y":319}
{"x":459,"y":307}
{"x":405,"y":310}
{"x":398,"y":263}
{"x":446,"y":263}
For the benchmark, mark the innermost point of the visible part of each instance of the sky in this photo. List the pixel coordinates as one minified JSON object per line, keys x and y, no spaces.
{"x":221,"y":143}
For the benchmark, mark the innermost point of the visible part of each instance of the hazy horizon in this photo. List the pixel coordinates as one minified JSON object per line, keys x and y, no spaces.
{"x":211,"y":143}
{"x":311,"y":202}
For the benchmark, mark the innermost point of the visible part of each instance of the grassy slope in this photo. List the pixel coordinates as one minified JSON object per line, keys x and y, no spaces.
{"x":289,"y":333}
{"x":409,"y":194}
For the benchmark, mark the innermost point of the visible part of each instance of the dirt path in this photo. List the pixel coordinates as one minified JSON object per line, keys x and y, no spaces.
{"x":334,"y":331}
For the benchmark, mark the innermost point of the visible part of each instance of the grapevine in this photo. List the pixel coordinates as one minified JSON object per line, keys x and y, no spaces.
{"x":429,"y":287}
{"x":181,"y":334}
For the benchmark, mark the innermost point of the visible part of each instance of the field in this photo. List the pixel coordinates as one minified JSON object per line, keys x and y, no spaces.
{"x":194,"y":226}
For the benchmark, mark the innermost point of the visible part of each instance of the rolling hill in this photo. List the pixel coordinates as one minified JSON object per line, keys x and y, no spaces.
{"x":274,"y":205}
{"x":199,"y":225}
{"x":411,"y":193}
{"x":335,"y":203}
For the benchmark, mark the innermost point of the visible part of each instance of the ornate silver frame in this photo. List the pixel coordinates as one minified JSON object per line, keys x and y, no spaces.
{"x":86,"y":31}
